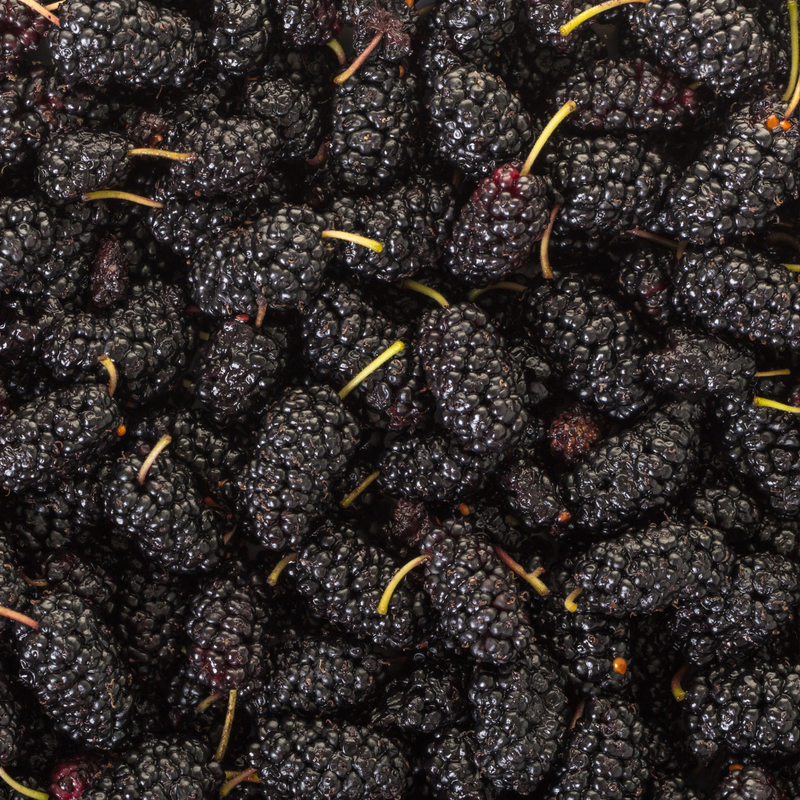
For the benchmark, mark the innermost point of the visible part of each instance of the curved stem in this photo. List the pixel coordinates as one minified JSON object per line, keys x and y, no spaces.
{"x":343,"y":76}
{"x":208,"y":702}
{"x":22,"y":789}
{"x":227,"y":727}
{"x":339,"y":50}
{"x":111,"y":194}
{"x":544,"y":247}
{"x":386,"y":598}
{"x":235,"y":781}
{"x":426,"y":290}
{"x":792,"y":7}
{"x":112,"y":373}
{"x":565,"y":30}
{"x":355,"y":238}
{"x":675,"y":684}
{"x":795,"y":99}
{"x":279,"y":567}
{"x":652,"y":237}
{"x":569,"y":602}
{"x":559,"y":116}
{"x":359,"y":489}
{"x":388,"y":353}
{"x":531,"y":577}
{"x":170,"y":154}
{"x":153,"y":455}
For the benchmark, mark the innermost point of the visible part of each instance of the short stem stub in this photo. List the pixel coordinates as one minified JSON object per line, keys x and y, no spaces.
{"x":383,"y":606}
{"x":280,"y":567}
{"x":339,"y":50}
{"x":152,"y":456}
{"x":531,"y":577}
{"x":112,"y":373}
{"x":390,"y":352}
{"x":569,"y":602}
{"x":675,"y":684}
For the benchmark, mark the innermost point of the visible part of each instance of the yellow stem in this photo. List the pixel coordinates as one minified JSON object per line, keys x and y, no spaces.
{"x":570,"y":603}
{"x":112,"y":373}
{"x":170,"y":154}
{"x":675,"y":684}
{"x":770,"y":373}
{"x":792,"y":267}
{"x":795,"y":99}
{"x":22,"y":789}
{"x":360,"y":488}
{"x":763,"y":401}
{"x":227,"y":727}
{"x":792,"y":6}
{"x":343,"y":76}
{"x":563,"y":112}
{"x":111,"y":194}
{"x":160,"y":445}
{"x":355,"y":238}
{"x":476,"y":293}
{"x":383,"y":606}
{"x":426,"y":290}
{"x":235,"y":781}
{"x":388,"y":353}
{"x":208,"y":702}
{"x":565,"y":30}
{"x":544,"y":247}
{"x":531,"y":577}
{"x":279,"y":567}
{"x":250,"y":779}
{"x":339,"y":50}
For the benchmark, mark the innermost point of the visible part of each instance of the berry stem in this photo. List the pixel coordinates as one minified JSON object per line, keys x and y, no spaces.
{"x":17,"y":617}
{"x":795,"y":99}
{"x":262,"y":311}
{"x":227,"y":727}
{"x":249,"y":779}
{"x":763,"y":401}
{"x":40,"y":9}
{"x":771,"y":373}
{"x":343,"y":76}
{"x":111,"y":194}
{"x":792,"y":267}
{"x":561,"y":114}
{"x":112,"y":373}
{"x":355,"y":238}
{"x":386,"y":598}
{"x":170,"y":154}
{"x":415,"y":286}
{"x":531,"y":577}
{"x":235,"y":781}
{"x":281,"y":565}
{"x":22,"y":789}
{"x":544,"y":247}
{"x":566,"y":30}
{"x":792,"y":7}
{"x":570,"y":603}
{"x":54,"y":6}
{"x":360,"y":488}
{"x":675,"y":684}
{"x":148,"y":462}
{"x":42,"y":584}
{"x":339,"y":50}
{"x":203,"y":705}
{"x":476,"y":293}
{"x":229,"y":535}
{"x":388,"y":353}
{"x":579,"y":709}
{"x":321,"y":156}
{"x":652,"y":237}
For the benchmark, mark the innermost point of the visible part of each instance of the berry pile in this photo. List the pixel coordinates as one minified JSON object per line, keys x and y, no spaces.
{"x":399,"y":401}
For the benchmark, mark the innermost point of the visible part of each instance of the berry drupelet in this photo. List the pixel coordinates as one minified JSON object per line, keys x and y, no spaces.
{"x":343,"y":579}
{"x":520,"y":715}
{"x":596,"y":343}
{"x":747,"y":783}
{"x":239,"y":35}
{"x":449,"y":764}
{"x":238,"y":370}
{"x":131,"y":42}
{"x":474,"y":594}
{"x":375,"y":115}
{"x":69,"y":642}
{"x":304,"y":23}
{"x":741,"y":177}
{"x":478,"y":124}
{"x":628,"y":94}
{"x":479,"y":390}
{"x":27,"y":236}
{"x":643,"y":572}
{"x":20,"y":30}
{"x":305,"y":441}
{"x":56,"y":434}
{"x":317,"y":760}
{"x":186,"y":224}
{"x":641,"y":470}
